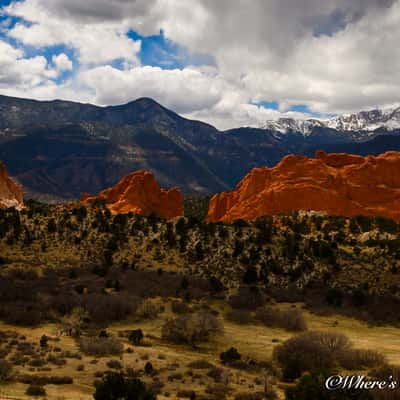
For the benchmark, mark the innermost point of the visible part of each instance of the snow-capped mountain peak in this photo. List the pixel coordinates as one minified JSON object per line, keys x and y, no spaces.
{"x":286,"y":125}
{"x":368,"y":121}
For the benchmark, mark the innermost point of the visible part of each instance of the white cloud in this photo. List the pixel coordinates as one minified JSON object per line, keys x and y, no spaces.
{"x":93,"y":11}
{"x":268,"y":49}
{"x":62,"y":62}
{"x":185,"y":90}
{"x":95,"y":43}
{"x":227,"y":115}
{"x":17,"y":71}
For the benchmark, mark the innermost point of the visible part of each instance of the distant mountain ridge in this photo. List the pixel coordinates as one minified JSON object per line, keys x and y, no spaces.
{"x":367,"y":121}
{"x":59,"y":149}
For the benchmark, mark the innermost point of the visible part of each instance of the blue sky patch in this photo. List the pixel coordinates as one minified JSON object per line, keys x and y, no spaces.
{"x":271,"y":105}
{"x":329,"y":24}
{"x":302,"y":108}
{"x":159,"y":51}
{"x":5,"y":3}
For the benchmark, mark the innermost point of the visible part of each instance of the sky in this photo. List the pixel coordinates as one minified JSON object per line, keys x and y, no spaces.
{"x":228,"y":62}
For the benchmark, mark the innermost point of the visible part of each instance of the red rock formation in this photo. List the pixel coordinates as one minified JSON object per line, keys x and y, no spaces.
{"x":139,"y":193}
{"x":10,"y":192}
{"x":336,"y":184}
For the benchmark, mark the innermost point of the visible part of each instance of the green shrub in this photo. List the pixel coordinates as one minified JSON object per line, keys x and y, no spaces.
{"x":191,"y":328}
{"x":136,"y":336}
{"x":114,"y":386}
{"x":114,"y":364}
{"x":41,"y":380}
{"x":44,"y":341}
{"x":292,"y":320}
{"x":35,"y":390}
{"x":5,"y":371}
{"x":248,"y":298}
{"x":334,"y":296}
{"x":149,"y":309}
{"x":230,"y":355}
{"x":250,"y":276}
{"x":310,"y":351}
{"x":148,"y":368}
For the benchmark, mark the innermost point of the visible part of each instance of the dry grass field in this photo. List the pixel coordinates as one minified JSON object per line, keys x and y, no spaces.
{"x":173,"y":362}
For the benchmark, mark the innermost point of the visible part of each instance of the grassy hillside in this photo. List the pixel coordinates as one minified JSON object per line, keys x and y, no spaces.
{"x":77,"y":284}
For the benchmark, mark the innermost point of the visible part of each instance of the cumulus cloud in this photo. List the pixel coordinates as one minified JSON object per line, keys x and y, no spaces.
{"x":20,"y":72}
{"x":332,"y":56}
{"x":185,"y":90}
{"x":93,"y":11}
{"x":96,"y":43}
{"x":62,"y":62}
{"x":278,"y":51}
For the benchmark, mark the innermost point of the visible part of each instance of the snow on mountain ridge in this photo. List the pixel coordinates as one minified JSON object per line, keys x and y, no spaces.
{"x":363,"y":121}
{"x":284,"y":125}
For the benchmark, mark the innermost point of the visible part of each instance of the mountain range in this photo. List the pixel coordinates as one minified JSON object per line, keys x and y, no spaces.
{"x":360,"y":126}
{"x":59,"y":149}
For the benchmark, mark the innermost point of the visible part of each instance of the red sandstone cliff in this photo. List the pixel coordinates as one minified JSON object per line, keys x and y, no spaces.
{"x":336,"y":184}
{"x":139,"y":193}
{"x":10,"y":192}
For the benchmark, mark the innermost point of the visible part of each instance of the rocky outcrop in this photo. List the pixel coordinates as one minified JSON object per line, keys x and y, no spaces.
{"x":335,"y":184}
{"x":140,"y":194}
{"x":10,"y":192}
